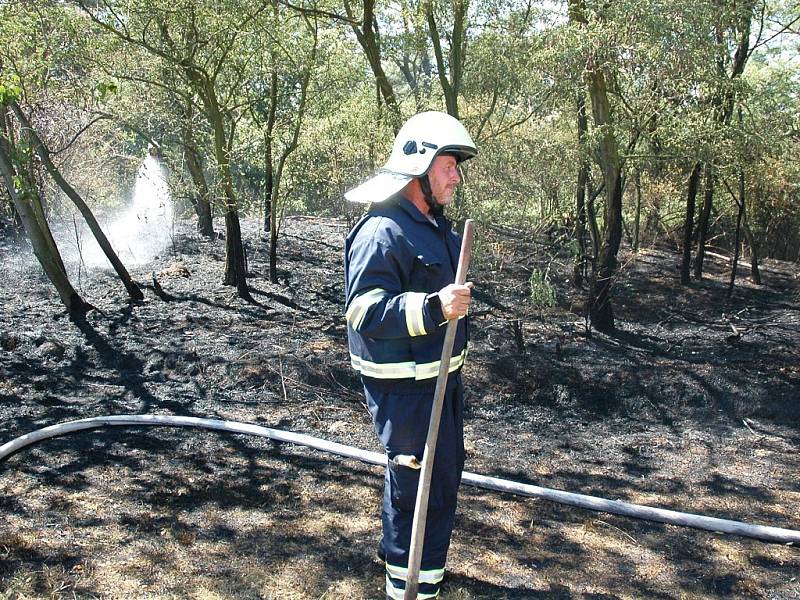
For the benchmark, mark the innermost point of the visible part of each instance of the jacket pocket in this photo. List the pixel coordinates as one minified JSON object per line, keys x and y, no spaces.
{"x":426,"y":275}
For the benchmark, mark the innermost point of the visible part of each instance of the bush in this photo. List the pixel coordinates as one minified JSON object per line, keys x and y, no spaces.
{"x":543,"y":294}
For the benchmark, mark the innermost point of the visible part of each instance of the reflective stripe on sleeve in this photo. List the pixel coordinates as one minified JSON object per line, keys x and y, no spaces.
{"x":359,"y":306}
{"x":415,"y":319}
{"x":402,"y":370}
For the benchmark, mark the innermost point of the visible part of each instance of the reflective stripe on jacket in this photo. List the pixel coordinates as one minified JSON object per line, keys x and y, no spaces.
{"x":395,"y":259}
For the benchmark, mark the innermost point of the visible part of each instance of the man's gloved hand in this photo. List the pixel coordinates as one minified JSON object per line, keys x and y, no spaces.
{"x":455,"y":300}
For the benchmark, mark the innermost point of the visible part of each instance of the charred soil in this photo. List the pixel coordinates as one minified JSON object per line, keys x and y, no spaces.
{"x":694,"y":404}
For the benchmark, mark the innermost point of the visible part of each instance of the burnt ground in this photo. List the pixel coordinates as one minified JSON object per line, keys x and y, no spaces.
{"x":694,"y":405}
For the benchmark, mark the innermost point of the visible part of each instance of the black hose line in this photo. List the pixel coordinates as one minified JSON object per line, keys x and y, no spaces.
{"x":759,"y":532}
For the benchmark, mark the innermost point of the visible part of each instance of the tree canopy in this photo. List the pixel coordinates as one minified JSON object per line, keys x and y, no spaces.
{"x":610,"y":121}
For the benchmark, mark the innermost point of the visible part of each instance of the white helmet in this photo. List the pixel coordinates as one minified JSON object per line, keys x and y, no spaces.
{"x":423,"y":137}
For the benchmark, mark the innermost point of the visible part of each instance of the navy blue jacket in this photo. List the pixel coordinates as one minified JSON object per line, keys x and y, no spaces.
{"x":395,"y":262}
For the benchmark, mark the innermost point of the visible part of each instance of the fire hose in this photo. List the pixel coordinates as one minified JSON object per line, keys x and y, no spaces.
{"x":671,"y":517}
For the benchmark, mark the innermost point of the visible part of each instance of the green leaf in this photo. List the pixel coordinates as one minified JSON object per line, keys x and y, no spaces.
{"x":10,"y":91}
{"x":106,"y":88}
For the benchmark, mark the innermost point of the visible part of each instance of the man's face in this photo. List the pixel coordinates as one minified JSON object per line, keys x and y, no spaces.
{"x":444,"y":178}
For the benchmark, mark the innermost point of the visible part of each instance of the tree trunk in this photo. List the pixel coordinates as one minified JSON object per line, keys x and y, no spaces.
{"x":737,"y":237}
{"x":755,"y":273}
{"x":451,"y":86}
{"x":29,"y":208}
{"x":688,"y":226}
{"x":202,"y":200}
{"x":235,"y":260}
{"x":44,"y":154}
{"x":579,"y":268}
{"x":591,"y":221}
{"x":600,"y":308}
{"x":367,"y":36}
{"x":268,"y":185}
{"x":273,"y":225}
{"x":601,"y":312}
{"x":6,"y":130}
{"x":724,"y":104}
{"x":638,"y":216}
{"x":287,"y":151}
{"x":273,"y":249}
{"x":19,"y":228}
{"x":269,"y":166}
{"x":702,"y":224}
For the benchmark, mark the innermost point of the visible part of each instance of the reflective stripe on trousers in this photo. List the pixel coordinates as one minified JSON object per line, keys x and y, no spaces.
{"x":429,"y":582}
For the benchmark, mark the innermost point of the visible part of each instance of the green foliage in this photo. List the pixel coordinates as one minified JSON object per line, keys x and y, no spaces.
{"x":10,"y":91}
{"x":104,"y":89}
{"x":542,"y":293}
{"x":667,"y":64}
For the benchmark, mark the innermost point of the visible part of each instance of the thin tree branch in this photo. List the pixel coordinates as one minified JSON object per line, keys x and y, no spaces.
{"x":233,"y":37}
{"x":784,"y":29}
{"x":760,"y":27}
{"x":77,"y":135}
{"x":321,"y":13}
{"x":519,"y":121}
{"x":125,"y":35}
{"x":730,"y":191}
{"x":489,"y":113}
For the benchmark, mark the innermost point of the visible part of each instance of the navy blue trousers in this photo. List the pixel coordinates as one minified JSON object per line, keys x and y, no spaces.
{"x":401,"y":412}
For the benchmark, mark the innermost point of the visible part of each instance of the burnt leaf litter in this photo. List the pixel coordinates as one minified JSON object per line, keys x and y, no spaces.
{"x":694,"y":405}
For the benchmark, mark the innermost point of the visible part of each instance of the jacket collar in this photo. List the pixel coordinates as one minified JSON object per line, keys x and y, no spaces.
{"x":415,"y":213}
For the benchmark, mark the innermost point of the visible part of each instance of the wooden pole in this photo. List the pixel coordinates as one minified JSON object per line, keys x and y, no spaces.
{"x":424,"y":488}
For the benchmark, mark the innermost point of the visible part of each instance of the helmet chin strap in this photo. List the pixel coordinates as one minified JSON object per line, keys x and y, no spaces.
{"x":437,"y":210}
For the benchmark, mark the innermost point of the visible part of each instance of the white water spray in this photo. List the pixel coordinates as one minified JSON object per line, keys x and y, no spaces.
{"x":145,"y":229}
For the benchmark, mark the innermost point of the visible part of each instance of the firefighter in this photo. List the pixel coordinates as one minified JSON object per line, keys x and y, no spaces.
{"x":400,"y":265}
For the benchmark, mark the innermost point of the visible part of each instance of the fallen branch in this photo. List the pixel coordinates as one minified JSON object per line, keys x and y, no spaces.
{"x":316,"y":242}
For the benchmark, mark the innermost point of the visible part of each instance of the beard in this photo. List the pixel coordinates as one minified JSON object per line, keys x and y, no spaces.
{"x":435,"y":205}
{"x":437,"y":210}
{"x":447,"y":197}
